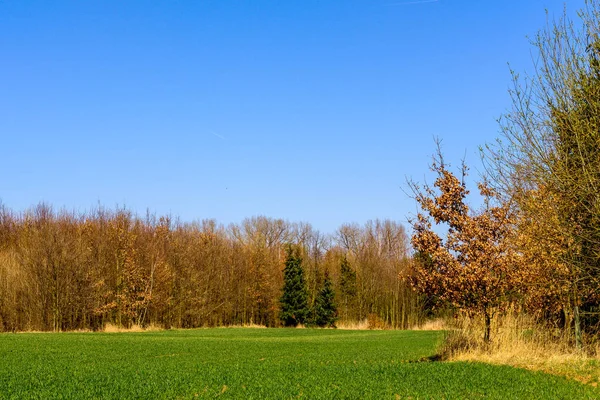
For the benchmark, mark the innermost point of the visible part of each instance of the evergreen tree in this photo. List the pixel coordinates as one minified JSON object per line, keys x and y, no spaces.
{"x":325,"y":310}
{"x":347,"y":285}
{"x":294,"y":301}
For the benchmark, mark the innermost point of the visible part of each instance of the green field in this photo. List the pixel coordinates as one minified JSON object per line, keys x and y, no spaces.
{"x":257,"y":364}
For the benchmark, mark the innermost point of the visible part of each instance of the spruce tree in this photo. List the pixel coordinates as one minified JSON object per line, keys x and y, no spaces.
{"x":347,"y":278}
{"x":347,"y":285}
{"x":325,"y":310}
{"x":294,"y":301}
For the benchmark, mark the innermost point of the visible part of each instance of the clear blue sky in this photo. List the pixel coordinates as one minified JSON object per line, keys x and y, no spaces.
{"x":308,"y":110}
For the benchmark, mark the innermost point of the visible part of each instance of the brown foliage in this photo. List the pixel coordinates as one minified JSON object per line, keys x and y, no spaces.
{"x":63,"y":271}
{"x":474,"y":268}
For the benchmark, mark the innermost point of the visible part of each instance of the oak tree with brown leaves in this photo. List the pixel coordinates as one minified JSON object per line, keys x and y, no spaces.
{"x":472,"y":268}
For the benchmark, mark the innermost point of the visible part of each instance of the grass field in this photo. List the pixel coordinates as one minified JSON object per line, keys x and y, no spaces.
{"x":256,"y":364}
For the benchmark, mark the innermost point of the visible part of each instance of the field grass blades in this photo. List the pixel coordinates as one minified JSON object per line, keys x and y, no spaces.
{"x":258,"y":364}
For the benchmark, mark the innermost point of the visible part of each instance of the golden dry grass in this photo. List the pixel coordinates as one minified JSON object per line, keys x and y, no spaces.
{"x":248,"y":325}
{"x":110,"y":328}
{"x":353,"y":325}
{"x":518,"y":341}
{"x":438,"y":324}
{"x":372,"y":322}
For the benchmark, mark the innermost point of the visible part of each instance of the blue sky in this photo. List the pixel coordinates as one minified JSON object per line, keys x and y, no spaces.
{"x":312,"y":111}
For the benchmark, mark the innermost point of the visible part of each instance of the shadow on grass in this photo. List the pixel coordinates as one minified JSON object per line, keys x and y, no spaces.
{"x":433,"y":358}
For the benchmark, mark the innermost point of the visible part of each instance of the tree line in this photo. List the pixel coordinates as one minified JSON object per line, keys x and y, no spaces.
{"x":62,"y":270}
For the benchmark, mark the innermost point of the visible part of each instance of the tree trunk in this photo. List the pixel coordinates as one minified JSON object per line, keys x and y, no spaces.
{"x":577,"y":328}
{"x":488,"y":324}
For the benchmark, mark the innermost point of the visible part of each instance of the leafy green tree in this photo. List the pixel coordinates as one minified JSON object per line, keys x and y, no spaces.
{"x":325,"y":310}
{"x":294,"y":301}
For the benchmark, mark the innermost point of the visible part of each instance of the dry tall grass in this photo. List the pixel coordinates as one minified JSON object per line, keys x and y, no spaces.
{"x":250,"y":325}
{"x":353,"y":325}
{"x":519,"y":341}
{"x":110,"y":328}
{"x":438,"y":324}
{"x":372,"y":322}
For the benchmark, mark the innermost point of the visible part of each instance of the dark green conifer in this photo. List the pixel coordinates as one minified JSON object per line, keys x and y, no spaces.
{"x":325,"y":311}
{"x":347,"y":278}
{"x":294,"y":301}
{"x":347,"y":286}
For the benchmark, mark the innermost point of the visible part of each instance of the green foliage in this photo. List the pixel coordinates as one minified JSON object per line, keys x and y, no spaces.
{"x":347,"y":288}
{"x":347,"y":279}
{"x":324,"y":309}
{"x":257,"y":364}
{"x":294,"y":301}
{"x":577,"y":155}
{"x":549,"y":152}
